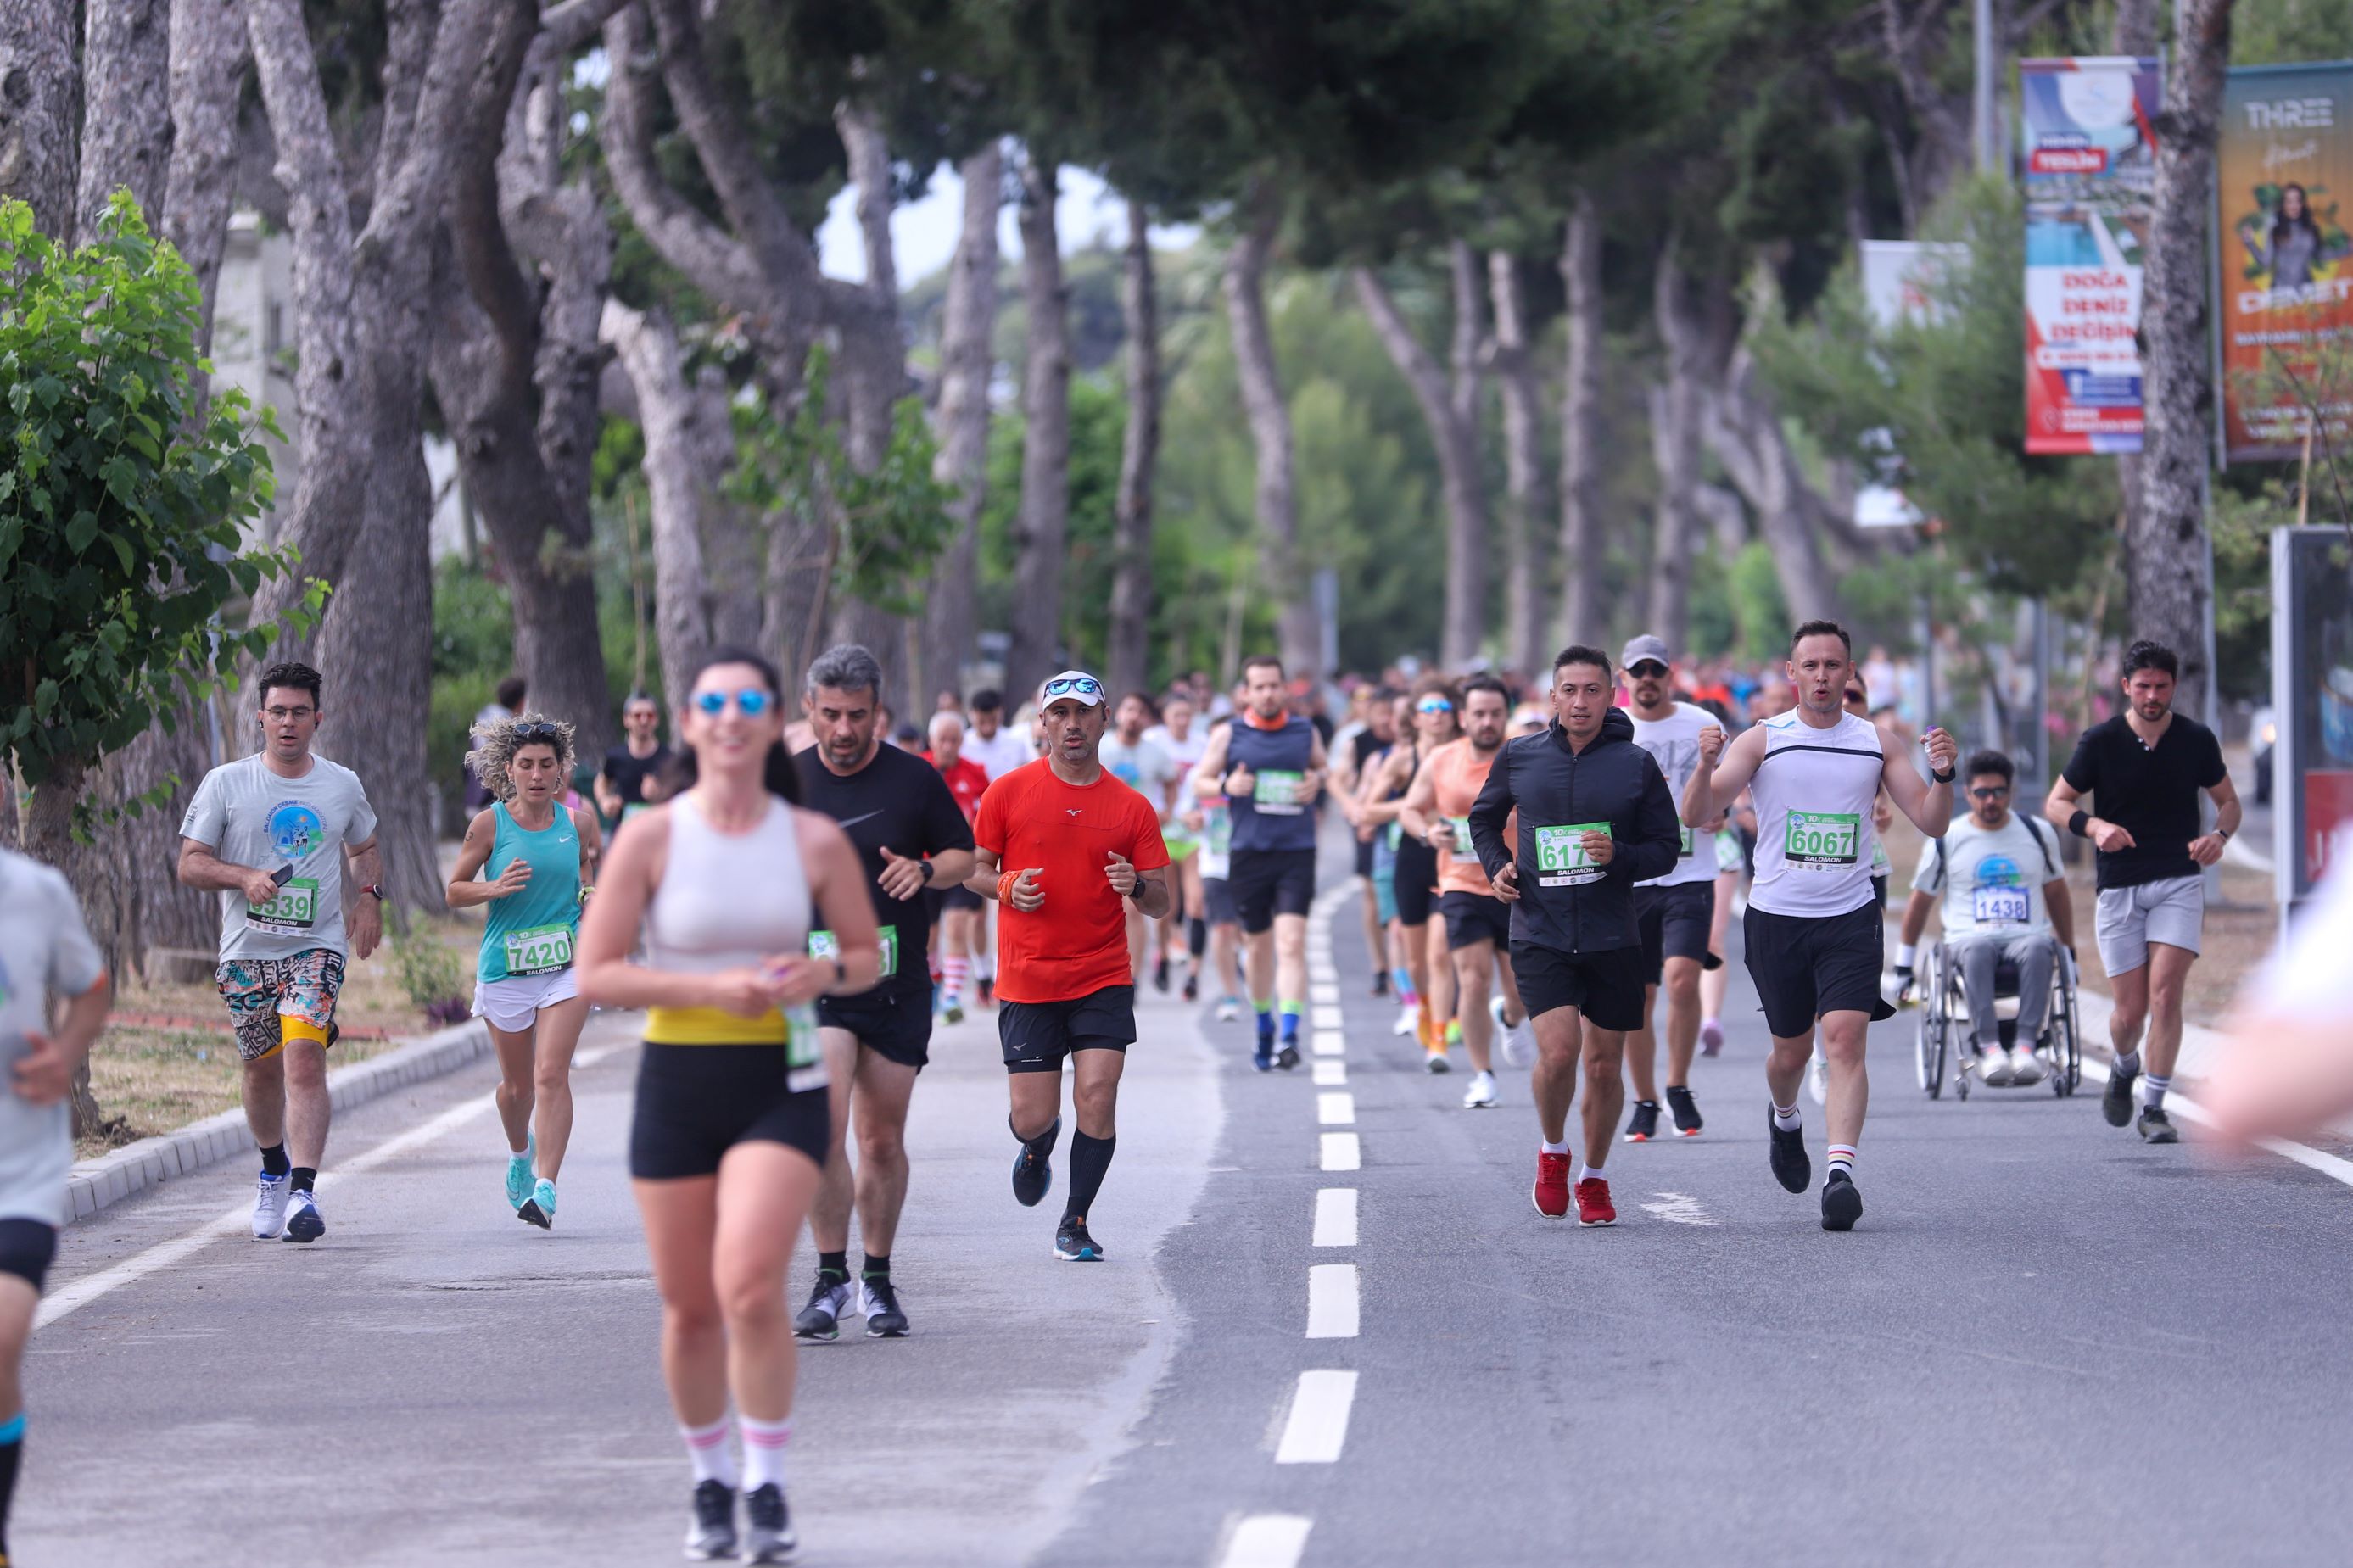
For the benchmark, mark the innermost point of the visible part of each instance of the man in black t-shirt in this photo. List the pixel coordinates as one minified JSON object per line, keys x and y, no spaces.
{"x":631,"y":779}
{"x":2144,"y":769}
{"x":912,"y":836}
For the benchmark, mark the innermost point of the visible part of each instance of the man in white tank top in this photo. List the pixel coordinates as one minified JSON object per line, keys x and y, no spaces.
{"x":1814,"y":932}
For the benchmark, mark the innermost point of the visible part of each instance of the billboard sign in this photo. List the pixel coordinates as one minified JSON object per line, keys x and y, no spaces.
{"x":2312,"y":702}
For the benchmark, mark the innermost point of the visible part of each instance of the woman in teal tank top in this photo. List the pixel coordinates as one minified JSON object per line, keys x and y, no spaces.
{"x":540,"y":856}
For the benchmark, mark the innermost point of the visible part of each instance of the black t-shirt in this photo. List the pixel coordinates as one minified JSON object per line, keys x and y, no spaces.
{"x":2150,"y":792}
{"x":1367,"y":746}
{"x":898,"y":801}
{"x":629,"y":773}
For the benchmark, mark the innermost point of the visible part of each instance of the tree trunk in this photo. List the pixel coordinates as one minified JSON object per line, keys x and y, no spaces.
{"x":208,"y":75}
{"x":2166,"y":576}
{"x":40,"y":112}
{"x":1745,"y":433}
{"x":126,"y":124}
{"x":1042,"y":529}
{"x":1674,"y":440}
{"x":1282,"y":573}
{"x":1526,"y":502}
{"x":674,"y":482}
{"x":1457,"y":444}
{"x":1582,"y":545}
{"x":961,"y":421}
{"x":1131,"y":584}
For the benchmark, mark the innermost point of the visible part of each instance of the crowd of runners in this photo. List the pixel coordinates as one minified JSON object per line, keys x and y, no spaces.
{"x":797,"y":890}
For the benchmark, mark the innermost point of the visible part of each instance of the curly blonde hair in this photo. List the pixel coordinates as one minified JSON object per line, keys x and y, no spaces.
{"x":495,"y":747}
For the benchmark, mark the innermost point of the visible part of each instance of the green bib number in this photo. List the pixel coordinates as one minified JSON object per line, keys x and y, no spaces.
{"x":1561,"y":859}
{"x":1278,"y":793}
{"x":1460,"y":826}
{"x":290,"y":913}
{"x":543,"y":950}
{"x":804,"y":1059}
{"x":824,"y":944}
{"x":1822,"y":840}
{"x":1684,"y":852}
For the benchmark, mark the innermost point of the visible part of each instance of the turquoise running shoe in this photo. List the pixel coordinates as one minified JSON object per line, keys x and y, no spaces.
{"x":539,"y":1209}
{"x":518,"y":1173}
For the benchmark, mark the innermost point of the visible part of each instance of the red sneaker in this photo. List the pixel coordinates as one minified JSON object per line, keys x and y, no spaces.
{"x":1551,"y":1192}
{"x":1593,"y":1204}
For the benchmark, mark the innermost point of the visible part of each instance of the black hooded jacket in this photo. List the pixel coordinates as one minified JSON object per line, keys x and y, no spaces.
{"x":1565,"y":904}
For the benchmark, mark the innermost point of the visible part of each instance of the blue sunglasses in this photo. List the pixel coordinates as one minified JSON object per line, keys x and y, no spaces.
{"x":1085,"y":686}
{"x":751,"y":702}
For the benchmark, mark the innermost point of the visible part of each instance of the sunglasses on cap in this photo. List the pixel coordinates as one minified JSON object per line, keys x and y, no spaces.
{"x":751,"y":701}
{"x":1649,"y":666}
{"x":525,"y":734}
{"x":1433,"y":705}
{"x":1085,"y":686}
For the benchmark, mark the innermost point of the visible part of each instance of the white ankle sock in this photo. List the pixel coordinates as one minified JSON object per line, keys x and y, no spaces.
{"x":1591,"y":1173}
{"x":707,"y":1447}
{"x":1559,"y":1148}
{"x":764,"y":1451}
{"x":1785,"y":1117}
{"x":2152,"y":1091}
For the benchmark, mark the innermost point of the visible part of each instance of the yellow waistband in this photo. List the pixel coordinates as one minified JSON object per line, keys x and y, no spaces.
{"x":714,"y":1026}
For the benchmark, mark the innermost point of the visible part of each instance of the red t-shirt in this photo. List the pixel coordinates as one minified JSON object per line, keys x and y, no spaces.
{"x":967,"y":781}
{"x":1076,"y":942}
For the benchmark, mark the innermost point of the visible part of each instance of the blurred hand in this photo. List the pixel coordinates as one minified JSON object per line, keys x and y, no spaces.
{"x":1505,"y":883}
{"x":902,"y":878}
{"x":1120,"y":872}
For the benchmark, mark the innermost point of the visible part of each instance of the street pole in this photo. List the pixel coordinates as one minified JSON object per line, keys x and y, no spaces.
{"x":1983,"y":128}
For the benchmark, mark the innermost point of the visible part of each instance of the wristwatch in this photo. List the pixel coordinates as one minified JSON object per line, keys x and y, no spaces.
{"x":373,"y":888}
{"x":1944,"y":778}
{"x":841,"y":972}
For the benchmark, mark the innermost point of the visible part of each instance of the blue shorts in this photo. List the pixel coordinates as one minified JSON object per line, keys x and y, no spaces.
{"x":1383,"y":878}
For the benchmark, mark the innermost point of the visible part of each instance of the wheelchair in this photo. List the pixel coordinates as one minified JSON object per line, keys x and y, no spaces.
{"x":1948,"y":1041}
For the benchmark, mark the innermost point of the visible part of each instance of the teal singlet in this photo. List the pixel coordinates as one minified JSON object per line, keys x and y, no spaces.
{"x":532,"y":932}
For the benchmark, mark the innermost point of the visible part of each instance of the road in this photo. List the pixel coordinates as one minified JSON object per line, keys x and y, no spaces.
{"x":2046,"y":1342}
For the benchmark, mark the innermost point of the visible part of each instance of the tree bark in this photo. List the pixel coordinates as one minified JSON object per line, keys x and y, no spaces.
{"x":1582,"y":545}
{"x":1674,"y":441}
{"x":1299,"y":627}
{"x":40,"y":112}
{"x":1130,"y":584}
{"x":648,"y":346}
{"x":1744,"y":431}
{"x":1041,"y":542}
{"x":967,"y":362}
{"x":1524,"y":480}
{"x":208,"y":75}
{"x":126,"y":124}
{"x":2168,"y":585}
{"x":1457,"y":444}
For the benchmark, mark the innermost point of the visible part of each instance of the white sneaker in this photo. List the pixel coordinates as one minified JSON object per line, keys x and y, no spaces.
{"x":270,"y":1207}
{"x":1818,"y":1079}
{"x":1514,"y":1036}
{"x":1481,"y":1092}
{"x":1227,"y":1010}
{"x":1993,"y":1068}
{"x":1409,"y":1020}
{"x":2023,"y":1066}
{"x":302,"y":1221}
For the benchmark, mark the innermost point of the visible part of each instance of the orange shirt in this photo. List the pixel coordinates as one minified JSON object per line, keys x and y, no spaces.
{"x":1076,"y":942}
{"x":1457,"y":773}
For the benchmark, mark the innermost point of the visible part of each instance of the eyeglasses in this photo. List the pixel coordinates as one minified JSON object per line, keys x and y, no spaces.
{"x":1433,"y":705}
{"x":1085,"y":686}
{"x":282,"y":714}
{"x":525,"y":734}
{"x":1854,"y":697}
{"x":1988,"y":793}
{"x":1648,"y":669}
{"x":751,"y":702}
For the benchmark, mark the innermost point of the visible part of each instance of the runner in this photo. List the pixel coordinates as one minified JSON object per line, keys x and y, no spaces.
{"x":911,"y":837}
{"x":1478,"y":924}
{"x":1715,"y":979}
{"x":1382,"y":832}
{"x":1813,"y":933}
{"x":1677,"y":911}
{"x":1594,"y":818}
{"x":957,"y":912}
{"x":1065,"y":846}
{"x":1857,"y":702}
{"x":1359,"y":750}
{"x":732,"y":1116}
{"x":1144,"y":767}
{"x":1224,"y":936}
{"x":1187,"y":920}
{"x":2145,"y":768}
{"x":631,"y":778}
{"x":525,"y":986}
{"x":275,"y":834}
{"x":1269,"y":765}
{"x":1000,"y":748}
{"x":45,"y":951}
{"x":1427,"y":994}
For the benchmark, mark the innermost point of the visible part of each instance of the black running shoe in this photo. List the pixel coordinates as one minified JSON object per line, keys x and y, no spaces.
{"x":821,"y":1319}
{"x":1842,"y":1203}
{"x":711,"y":1528}
{"x":1791,"y":1168}
{"x":1073,"y":1245}
{"x":2157,"y":1127}
{"x":1160,"y":974}
{"x":1033,"y":1170}
{"x":767,"y":1526}
{"x":2117,"y":1104}
{"x":988,"y":992}
{"x":1686,"y":1112}
{"x":1192,"y":988}
{"x":1643,"y":1125}
{"x":1380,"y":982}
{"x":1288,"y":1056}
{"x":884,"y":1320}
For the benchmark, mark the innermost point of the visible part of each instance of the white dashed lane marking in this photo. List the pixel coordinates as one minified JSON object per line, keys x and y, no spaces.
{"x":1342,"y":1151}
{"x":1332,"y":1301}
{"x":1337,"y":1108}
{"x":1676,"y":1208}
{"x":1331,"y":1074}
{"x":1267,"y":1541}
{"x":1329,"y":1042}
{"x":1317,"y":1429}
{"x":1335,"y":1216}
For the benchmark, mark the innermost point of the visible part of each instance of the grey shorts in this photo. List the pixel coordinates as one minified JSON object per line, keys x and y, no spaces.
{"x":2172,"y":911}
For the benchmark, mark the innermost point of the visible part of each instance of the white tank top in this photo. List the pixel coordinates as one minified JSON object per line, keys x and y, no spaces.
{"x":730,"y":901}
{"x":1814,"y":791}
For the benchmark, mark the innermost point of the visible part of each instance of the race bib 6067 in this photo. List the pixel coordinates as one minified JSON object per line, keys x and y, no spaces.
{"x":1822,"y":840}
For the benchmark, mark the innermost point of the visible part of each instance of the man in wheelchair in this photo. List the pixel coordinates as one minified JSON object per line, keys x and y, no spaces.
{"x":2006,"y":914}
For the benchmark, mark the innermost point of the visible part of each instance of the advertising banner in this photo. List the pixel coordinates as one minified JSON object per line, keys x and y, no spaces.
{"x":2312,"y":702}
{"x":2286,"y":283}
{"x":2090,"y":168}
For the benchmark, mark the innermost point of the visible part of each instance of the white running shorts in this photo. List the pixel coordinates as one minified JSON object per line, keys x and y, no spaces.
{"x":2172,"y":911}
{"x":513,"y":1004}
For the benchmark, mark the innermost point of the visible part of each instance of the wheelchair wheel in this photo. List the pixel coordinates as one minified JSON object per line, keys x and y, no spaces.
{"x":2066,"y":1035}
{"x":1930,"y":1041}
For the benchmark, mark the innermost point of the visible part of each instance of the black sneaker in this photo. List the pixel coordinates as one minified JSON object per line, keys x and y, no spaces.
{"x":1380,"y":982}
{"x":2157,"y":1127}
{"x":1073,"y":1245}
{"x":884,"y":1320}
{"x":710,"y":1527}
{"x":1686,"y":1112}
{"x":1033,"y":1169}
{"x":1262,"y":1055}
{"x":1160,"y":976}
{"x":1192,"y":987}
{"x":1791,"y":1168}
{"x":821,"y":1319}
{"x":988,"y":992}
{"x":1287,"y":1058}
{"x":1643,"y":1125}
{"x":767,"y":1526}
{"x":2117,"y":1104}
{"x":1842,"y":1203}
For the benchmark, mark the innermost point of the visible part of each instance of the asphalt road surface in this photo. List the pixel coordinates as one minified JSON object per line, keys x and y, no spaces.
{"x":2045,"y":1343}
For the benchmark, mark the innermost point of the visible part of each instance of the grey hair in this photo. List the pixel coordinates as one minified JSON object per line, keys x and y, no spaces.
{"x":845,"y":667}
{"x":495,"y":746}
{"x":945,"y":715}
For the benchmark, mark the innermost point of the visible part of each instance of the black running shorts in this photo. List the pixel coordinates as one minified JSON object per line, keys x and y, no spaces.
{"x":1217,"y":898}
{"x":896,"y":1023}
{"x":1675,"y":922}
{"x":1605,"y":987}
{"x":1417,"y":881}
{"x":1037,"y":1036}
{"x":1806,"y":966}
{"x":956,"y":898}
{"x":27,"y":1247}
{"x":1475,"y":918}
{"x":696,"y":1102}
{"x":1270,"y":882}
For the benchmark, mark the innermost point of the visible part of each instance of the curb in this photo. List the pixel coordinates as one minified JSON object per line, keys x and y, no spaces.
{"x":150,"y":1162}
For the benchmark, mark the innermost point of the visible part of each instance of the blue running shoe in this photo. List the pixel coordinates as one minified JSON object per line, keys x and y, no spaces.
{"x":539,"y":1209}
{"x":519,"y":1178}
{"x":1033,"y":1170}
{"x":1073,"y":1245}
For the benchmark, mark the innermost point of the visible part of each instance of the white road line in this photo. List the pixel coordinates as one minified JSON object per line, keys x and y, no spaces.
{"x":1328,"y":1042}
{"x":1326,"y":1018}
{"x":1329,"y":994}
{"x":2190,"y":1110}
{"x":1335,"y":1216}
{"x":1267,"y":1541}
{"x":1337,"y":1108}
{"x":1331,"y":1074}
{"x":1332,"y":1301}
{"x":1679,"y":1209}
{"x":1317,"y":1429}
{"x":237,"y":1221}
{"x":1342,"y":1151}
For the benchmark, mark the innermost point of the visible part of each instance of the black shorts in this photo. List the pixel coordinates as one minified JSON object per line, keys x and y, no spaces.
{"x":1417,"y":881}
{"x":1879,"y":890}
{"x":896,"y":1023}
{"x":1363,"y":858}
{"x":27,"y":1247}
{"x":1675,"y":922}
{"x":1037,"y":1036}
{"x":956,"y":898}
{"x":1475,"y":918}
{"x":1605,"y":987}
{"x":1217,"y":898}
{"x":696,"y":1102}
{"x":1805,"y":966}
{"x":1270,"y":882}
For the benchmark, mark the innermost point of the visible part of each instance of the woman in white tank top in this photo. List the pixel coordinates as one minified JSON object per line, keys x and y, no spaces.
{"x":732,"y":1118}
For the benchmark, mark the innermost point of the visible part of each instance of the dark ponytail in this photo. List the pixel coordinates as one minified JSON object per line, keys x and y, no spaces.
{"x":778,"y":774}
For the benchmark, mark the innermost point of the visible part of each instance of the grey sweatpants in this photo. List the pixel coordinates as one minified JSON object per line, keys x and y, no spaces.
{"x":1977,"y":958}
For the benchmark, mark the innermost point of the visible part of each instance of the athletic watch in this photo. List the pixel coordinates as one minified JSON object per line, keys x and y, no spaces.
{"x":1944,"y":778}
{"x":841,"y":972}
{"x":373,"y":888}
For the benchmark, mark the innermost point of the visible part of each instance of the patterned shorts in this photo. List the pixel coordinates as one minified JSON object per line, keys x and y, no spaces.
{"x":260,"y":991}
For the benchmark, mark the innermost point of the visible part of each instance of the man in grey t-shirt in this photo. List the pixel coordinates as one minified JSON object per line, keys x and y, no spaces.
{"x":275,"y":834}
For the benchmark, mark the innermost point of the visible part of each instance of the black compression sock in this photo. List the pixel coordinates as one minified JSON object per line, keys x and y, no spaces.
{"x":305,"y":1178}
{"x":1090,"y":1158}
{"x":1041,"y":1145}
{"x":1196,"y":936}
{"x":273,"y":1161}
{"x":833,"y":1264}
{"x":12,"y":1448}
{"x":876,"y":1267}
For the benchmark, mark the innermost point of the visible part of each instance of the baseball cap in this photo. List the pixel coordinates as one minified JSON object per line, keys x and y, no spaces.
{"x":1645,"y":647}
{"x":1075,"y":683}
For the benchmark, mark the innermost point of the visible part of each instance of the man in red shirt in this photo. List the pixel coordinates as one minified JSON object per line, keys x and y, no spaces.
{"x":1062,"y":843}
{"x":957,"y":910}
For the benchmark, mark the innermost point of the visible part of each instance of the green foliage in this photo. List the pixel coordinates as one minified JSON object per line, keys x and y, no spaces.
{"x":432,"y":972}
{"x":2278,"y":32}
{"x":473,"y":650}
{"x":1098,"y":425}
{"x":119,"y":520}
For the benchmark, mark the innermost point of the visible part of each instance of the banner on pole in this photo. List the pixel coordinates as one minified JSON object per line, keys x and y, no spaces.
{"x":2286,"y":273}
{"x":2090,"y":170}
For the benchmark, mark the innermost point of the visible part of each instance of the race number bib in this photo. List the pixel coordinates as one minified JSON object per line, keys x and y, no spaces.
{"x":291,"y":913}
{"x":1683,"y":852}
{"x":1460,"y":826}
{"x":1280,"y":793}
{"x":1730,"y":856}
{"x":543,"y":950}
{"x":1999,"y":906}
{"x":1561,"y":860}
{"x":804,"y":1062}
{"x":824,"y":944}
{"x":1822,"y":840}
